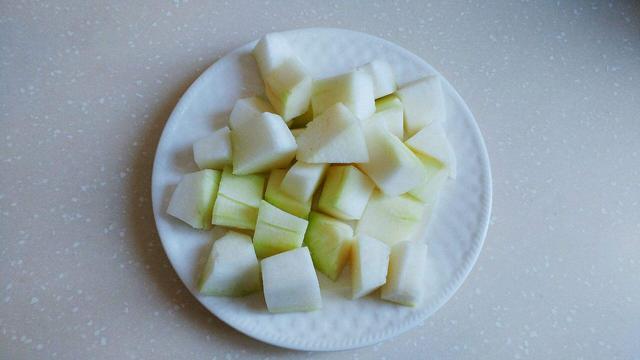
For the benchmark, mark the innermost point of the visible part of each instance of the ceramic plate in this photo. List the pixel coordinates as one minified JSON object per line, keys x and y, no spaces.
{"x":455,"y":234}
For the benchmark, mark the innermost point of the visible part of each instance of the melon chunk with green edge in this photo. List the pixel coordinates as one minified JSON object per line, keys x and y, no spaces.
{"x":192,"y":200}
{"x":345,"y":193}
{"x":288,"y":88}
{"x":238,"y":200}
{"x":329,"y":241}
{"x":275,"y":195}
{"x":353,"y":89}
{"x":389,"y":111}
{"x":391,"y":219}
{"x":213,"y":151}
{"x":247,"y":109}
{"x":432,"y":141}
{"x":428,"y":191}
{"x":423,"y":102}
{"x":336,"y":136}
{"x":302,"y":180}
{"x":271,"y":51}
{"x":384,"y":82}
{"x":406,"y":276}
{"x":290,"y":282}
{"x":392,"y":166}
{"x":277,"y":231}
{"x":262,"y":144}
{"x":369,"y":263}
{"x":232,"y":268}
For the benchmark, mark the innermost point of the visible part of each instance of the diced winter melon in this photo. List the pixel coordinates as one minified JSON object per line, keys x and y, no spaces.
{"x":213,"y":151}
{"x":392,"y":166}
{"x":302,"y":180}
{"x":389,"y":110}
{"x":288,"y":88}
{"x":275,"y":195}
{"x":271,"y":51}
{"x":262,"y":144}
{"x":406,"y":278}
{"x":423,"y":102}
{"x":336,"y":136}
{"x":345,"y":193}
{"x":369,"y":263}
{"x":232,"y":268}
{"x":437,"y":174}
{"x":391,"y":218}
{"x":277,"y":231}
{"x":290,"y":282}
{"x":432,"y":141}
{"x":384,"y":82}
{"x":192,"y":200}
{"x":248,"y":109}
{"x":354,"y":90}
{"x":238,"y":200}
{"x":329,"y":242}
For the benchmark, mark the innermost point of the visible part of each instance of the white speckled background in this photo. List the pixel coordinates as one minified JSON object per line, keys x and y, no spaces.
{"x":85,"y":91}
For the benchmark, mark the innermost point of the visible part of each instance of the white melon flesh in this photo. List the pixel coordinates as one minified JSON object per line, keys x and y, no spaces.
{"x":262,"y":144}
{"x":213,"y":151}
{"x":296,"y":133}
{"x":354,"y":90}
{"x":391,"y":219}
{"x":437,"y":174}
{"x":275,"y":195}
{"x":369,"y":263}
{"x":389,"y":111}
{"x":392,"y":166}
{"x":345,"y":193}
{"x":302,"y":180}
{"x":423,"y":102}
{"x":290,"y":282}
{"x":288,"y":88}
{"x":248,"y":109}
{"x":432,"y":141}
{"x":336,"y":136}
{"x":277,"y":231}
{"x":271,"y":51}
{"x":329,"y":242}
{"x":407,"y":271}
{"x":192,"y":200}
{"x":232,"y":268}
{"x":238,"y":200}
{"x":384,"y":82}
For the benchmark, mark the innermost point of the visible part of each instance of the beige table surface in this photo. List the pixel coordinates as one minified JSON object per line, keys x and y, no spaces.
{"x":85,"y":90}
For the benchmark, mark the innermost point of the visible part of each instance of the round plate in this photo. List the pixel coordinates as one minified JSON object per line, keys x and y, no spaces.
{"x":455,"y":234}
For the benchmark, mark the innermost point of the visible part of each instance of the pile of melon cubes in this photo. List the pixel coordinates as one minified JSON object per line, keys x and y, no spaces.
{"x":324,"y":173}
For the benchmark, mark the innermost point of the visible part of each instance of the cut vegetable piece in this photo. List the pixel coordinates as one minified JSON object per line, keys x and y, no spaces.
{"x":354,"y":90}
{"x":389,"y":110}
{"x":192,"y":200}
{"x":369,"y":263}
{"x":248,"y":109}
{"x":296,"y":133}
{"x":391,"y":218}
{"x":276,"y":196}
{"x":437,"y":174}
{"x":277,"y":231}
{"x":384,"y":82}
{"x":271,"y":51}
{"x":290,"y":282}
{"x":392,"y":166}
{"x":262,"y":144}
{"x":432,"y":141}
{"x":423,"y":102}
{"x":345,"y":192}
{"x":329,"y":242}
{"x":238,"y":200}
{"x":336,"y":136}
{"x":213,"y":151}
{"x":406,"y":279}
{"x":288,"y":88}
{"x":232,"y":268}
{"x":302,"y":180}
{"x":302,"y":120}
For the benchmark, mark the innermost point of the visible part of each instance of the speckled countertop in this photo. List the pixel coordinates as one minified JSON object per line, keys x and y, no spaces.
{"x":85,"y":90}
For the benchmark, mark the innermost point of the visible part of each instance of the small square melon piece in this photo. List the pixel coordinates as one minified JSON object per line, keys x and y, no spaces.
{"x":384,"y":82}
{"x":213,"y":151}
{"x":248,"y":109}
{"x":329,"y":241}
{"x":192,"y":200}
{"x":406,"y":276}
{"x":288,"y":88}
{"x":345,"y":193}
{"x":238,"y":200}
{"x":353,"y":89}
{"x":423,"y":102}
{"x":277,"y":231}
{"x":302,"y":180}
{"x":369,"y":263}
{"x":275,"y":195}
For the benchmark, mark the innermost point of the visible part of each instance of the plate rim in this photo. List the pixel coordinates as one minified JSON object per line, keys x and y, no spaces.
{"x":416,"y":318}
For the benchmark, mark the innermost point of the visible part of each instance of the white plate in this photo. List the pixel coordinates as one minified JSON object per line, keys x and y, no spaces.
{"x":455,"y":235}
